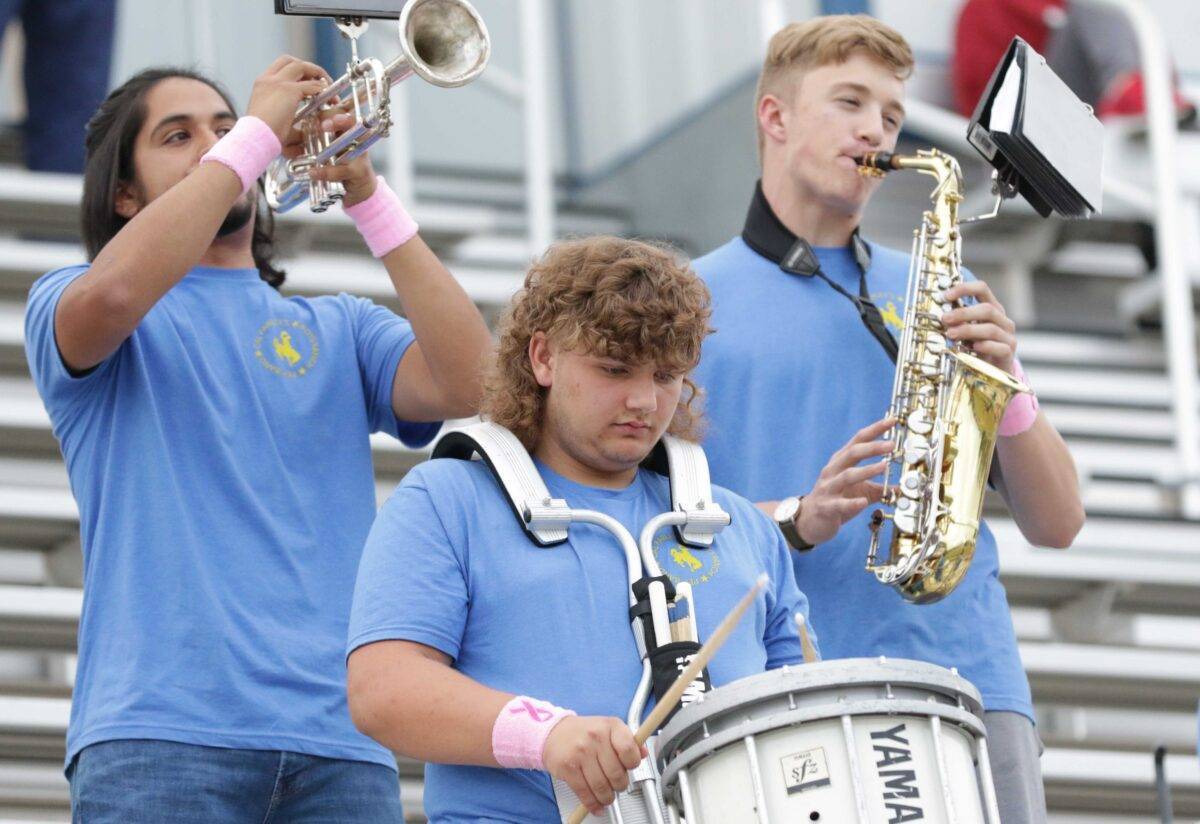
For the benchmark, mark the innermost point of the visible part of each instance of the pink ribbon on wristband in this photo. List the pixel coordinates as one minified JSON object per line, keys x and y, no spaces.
{"x":1022,"y":409}
{"x":520,"y":732}
{"x":382,"y":220}
{"x":248,"y":148}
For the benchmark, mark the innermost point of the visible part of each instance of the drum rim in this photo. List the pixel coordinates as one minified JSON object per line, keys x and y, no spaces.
{"x":689,"y":757}
{"x":901,"y":672}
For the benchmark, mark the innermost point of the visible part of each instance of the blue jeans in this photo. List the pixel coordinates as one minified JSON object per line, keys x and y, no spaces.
{"x":68,"y":56}
{"x":145,"y":782}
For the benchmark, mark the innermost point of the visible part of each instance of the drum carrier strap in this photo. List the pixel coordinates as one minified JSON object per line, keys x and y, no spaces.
{"x":543,"y":518}
{"x":545,"y":521}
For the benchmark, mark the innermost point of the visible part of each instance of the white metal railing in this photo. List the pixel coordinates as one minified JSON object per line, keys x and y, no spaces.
{"x":530,"y":92}
{"x":1179,"y":321}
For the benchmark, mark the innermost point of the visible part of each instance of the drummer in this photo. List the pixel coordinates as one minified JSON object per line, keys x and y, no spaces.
{"x":505,"y":664}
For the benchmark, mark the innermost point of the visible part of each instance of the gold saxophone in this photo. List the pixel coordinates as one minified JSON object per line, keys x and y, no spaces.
{"x":947,"y":403}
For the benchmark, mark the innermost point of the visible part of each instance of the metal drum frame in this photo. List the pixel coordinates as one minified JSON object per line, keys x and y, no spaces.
{"x":735,"y":714}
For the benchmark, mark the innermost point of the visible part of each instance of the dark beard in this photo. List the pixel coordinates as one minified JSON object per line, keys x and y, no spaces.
{"x":241,"y":214}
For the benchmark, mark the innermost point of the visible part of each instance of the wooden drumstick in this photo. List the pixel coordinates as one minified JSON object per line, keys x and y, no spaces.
{"x":684,"y":629}
{"x":810,"y":652}
{"x":663,"y":708}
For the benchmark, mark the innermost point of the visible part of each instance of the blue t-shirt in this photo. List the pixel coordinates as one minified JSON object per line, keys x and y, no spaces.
{"x":447,"y":565}
{"x":791,"y":374}
{"x":221,"y":464}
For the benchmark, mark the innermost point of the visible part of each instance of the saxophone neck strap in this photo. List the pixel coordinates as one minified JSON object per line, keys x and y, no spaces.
{"x":765,"y":233}
{"x":545,"y":519}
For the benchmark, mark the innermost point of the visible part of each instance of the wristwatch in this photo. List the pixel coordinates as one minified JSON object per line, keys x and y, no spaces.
{"x":785,"y":519}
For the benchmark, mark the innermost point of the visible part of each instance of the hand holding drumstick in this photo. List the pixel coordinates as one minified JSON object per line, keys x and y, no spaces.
{"x":663,"y":708}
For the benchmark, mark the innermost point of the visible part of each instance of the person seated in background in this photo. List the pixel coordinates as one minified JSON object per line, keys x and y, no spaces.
{"x":68,"y":56}
{"x":1092,"y":48}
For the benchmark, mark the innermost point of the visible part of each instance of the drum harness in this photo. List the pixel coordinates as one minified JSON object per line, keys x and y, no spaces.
{"x":695,"y":518}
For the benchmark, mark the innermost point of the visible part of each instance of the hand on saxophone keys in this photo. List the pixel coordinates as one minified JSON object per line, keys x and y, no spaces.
{"x":844,"y":488}
{"x":983,"y":328}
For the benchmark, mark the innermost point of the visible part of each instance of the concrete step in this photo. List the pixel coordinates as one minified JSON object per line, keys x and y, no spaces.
{"x":41,"y":618}
{"x":1130,"y":425}
{"x":1152,"y":564}
{"x":1097,"y":259}
{"x":1134,"y":351}
{"x":1112,"y":675}
{"x":319,"y":273}
{"x":1109,"y":537}
{"x":37,"y":518}
{"x":1126,"y":389}
{"x":49,"y":203}
{"x":1108,"y":783}
{"x":1124,"y":729}
{"x":1130,"y":498}
{"x":23,"y":262}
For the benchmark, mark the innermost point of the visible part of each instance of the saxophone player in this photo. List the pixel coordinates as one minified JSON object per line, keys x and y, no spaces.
{"x":807,"y":312}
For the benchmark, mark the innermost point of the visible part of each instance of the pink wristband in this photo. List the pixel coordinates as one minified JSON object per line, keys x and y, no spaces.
{"x":247,"y":149}
{"x":520,"y":732}
{"x":382,"y":220}
{"x":1022,"y":409}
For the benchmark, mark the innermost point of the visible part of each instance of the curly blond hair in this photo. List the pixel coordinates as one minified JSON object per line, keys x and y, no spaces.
{"x":629,"y":300}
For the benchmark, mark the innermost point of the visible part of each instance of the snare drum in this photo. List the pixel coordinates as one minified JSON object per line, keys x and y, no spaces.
{"x":863,"y":740}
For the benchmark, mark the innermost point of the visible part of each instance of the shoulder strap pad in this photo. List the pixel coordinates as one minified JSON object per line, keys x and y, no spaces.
{"x":685,"y":465}
{"x":544,"y":518}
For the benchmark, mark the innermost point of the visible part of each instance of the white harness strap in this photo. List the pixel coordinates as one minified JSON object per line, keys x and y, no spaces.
{"x":544,"y":518}
{"x":686,"y":468}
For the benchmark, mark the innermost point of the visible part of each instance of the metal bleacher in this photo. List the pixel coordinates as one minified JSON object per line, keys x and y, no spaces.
{"x":1109,"y":629}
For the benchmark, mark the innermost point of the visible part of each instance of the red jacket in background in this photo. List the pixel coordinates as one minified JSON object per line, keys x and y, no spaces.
{"x":984,"y":30}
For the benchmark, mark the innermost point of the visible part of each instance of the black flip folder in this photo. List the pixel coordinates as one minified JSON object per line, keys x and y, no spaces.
{"x":366,"y":9}
{"x":1044,"y":142}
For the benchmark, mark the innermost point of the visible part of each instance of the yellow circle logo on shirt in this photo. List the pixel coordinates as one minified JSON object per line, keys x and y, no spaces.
{"x":286,"y":347}
{"x":681,"y":563}
{"x":891,"y":309}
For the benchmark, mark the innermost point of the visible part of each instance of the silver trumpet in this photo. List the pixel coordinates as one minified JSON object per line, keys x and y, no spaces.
{"x":442,"y":41}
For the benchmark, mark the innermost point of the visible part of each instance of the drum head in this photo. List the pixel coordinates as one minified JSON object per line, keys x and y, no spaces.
{"x":825,"y":689}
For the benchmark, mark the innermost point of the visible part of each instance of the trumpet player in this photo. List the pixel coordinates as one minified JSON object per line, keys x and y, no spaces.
{"x":799,"y":372}
{"x":216,"y":435}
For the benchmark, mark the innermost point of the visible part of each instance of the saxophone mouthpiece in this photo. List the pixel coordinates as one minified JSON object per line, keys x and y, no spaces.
{"x":875,"y":164}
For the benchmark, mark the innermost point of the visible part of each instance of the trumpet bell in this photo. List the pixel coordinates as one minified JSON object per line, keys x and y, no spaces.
{"x":445,"y":41}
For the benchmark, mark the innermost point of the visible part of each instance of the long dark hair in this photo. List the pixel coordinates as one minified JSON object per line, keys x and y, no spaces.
{"x":109,"y":143}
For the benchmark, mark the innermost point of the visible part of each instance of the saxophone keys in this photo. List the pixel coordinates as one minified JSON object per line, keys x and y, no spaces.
{"x":916,"y":450}
{"x":912,"y":483}
{"x":905,"y":516}
{"x":918,"y":421}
